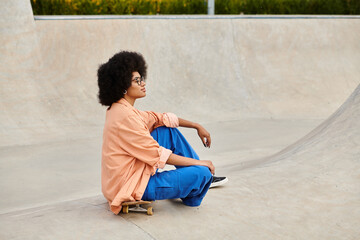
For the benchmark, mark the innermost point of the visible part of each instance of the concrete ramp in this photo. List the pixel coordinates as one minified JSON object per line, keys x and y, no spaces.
{"x":213,"y":70}
{"x":257,"y":83}
{"x":313,"y":183}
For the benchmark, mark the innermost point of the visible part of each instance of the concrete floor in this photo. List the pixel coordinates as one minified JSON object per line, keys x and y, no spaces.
{"x":39,"y":171}
{"x":61,"y":184}
{"x":279,"y":96}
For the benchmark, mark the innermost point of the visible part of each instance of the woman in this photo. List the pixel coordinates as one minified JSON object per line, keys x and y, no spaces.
{"x":137,"y":143}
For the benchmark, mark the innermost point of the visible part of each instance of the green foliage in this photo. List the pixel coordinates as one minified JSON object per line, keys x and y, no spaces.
{"x":287,"y":7}
{"x":150,"y":7}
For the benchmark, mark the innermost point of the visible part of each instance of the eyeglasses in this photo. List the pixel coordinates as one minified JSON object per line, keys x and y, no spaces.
{"x":139,"y":80}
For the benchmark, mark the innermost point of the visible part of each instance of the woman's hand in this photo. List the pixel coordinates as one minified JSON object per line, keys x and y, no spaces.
{"x":209,"y":164}
{"x":204,"y":136}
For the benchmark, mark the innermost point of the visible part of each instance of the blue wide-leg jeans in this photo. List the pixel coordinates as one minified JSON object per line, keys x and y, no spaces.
{"x":188,"y":183}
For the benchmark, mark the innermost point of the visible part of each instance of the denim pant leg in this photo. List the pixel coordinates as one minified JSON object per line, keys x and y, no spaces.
{"x":188,"y":183}
{"x":172,"y":138}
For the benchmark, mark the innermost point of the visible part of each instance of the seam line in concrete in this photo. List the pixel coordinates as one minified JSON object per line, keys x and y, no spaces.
{"x":131,"y":222}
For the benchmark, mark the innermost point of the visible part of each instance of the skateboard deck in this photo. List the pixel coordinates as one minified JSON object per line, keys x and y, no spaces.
{"x":135,"y":207}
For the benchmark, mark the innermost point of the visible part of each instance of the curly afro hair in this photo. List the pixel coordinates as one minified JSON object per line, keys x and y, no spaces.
{"x":114,"y":77}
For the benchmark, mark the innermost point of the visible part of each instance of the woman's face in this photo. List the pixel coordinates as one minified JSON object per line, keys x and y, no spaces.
{"x":135,"y":90}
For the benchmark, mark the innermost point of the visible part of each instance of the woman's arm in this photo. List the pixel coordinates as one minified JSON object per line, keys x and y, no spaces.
{"x":203,"y":134}
{"x":184,"y":161}
{"x":188,"y":124}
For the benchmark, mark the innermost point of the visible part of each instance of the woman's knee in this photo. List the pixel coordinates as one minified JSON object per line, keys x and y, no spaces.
{"x":159,"y":130}
{"x":167,"y":132}
{"x":203,"y":172}
{"x":164,"y":129}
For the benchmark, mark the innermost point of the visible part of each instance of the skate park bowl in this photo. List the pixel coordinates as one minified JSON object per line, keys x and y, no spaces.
{"x":279,"y":95}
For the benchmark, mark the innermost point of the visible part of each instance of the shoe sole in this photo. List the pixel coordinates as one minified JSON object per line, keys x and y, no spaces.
{"x":219,"y":183}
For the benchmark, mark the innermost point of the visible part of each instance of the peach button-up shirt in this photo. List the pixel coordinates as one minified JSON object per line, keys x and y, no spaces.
{"x":129,"y":153}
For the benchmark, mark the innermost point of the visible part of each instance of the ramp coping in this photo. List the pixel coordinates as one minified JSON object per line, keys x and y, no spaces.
{"x":175,"y":17}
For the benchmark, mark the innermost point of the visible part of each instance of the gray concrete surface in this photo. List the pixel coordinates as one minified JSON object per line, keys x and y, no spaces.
{"x":259,"y":85}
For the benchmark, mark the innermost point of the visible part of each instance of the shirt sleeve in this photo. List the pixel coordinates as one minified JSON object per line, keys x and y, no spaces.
{"x":155,"y":120}
{"x":136,"y":140}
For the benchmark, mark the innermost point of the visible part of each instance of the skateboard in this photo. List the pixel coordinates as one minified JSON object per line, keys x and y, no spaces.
{"x":126,"y":207}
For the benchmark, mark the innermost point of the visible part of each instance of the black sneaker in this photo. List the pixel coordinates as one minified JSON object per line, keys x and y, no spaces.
{"x":217,"y":181}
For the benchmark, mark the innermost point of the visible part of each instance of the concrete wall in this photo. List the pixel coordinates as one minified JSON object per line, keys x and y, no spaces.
{"x":204,"y":69}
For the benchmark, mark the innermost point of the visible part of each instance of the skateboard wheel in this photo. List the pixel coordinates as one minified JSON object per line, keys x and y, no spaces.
{"x":125,"y":209}
{"x":149,"y":211}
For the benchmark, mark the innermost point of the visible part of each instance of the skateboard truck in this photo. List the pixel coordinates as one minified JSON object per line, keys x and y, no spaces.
{"x":135,"y":207}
